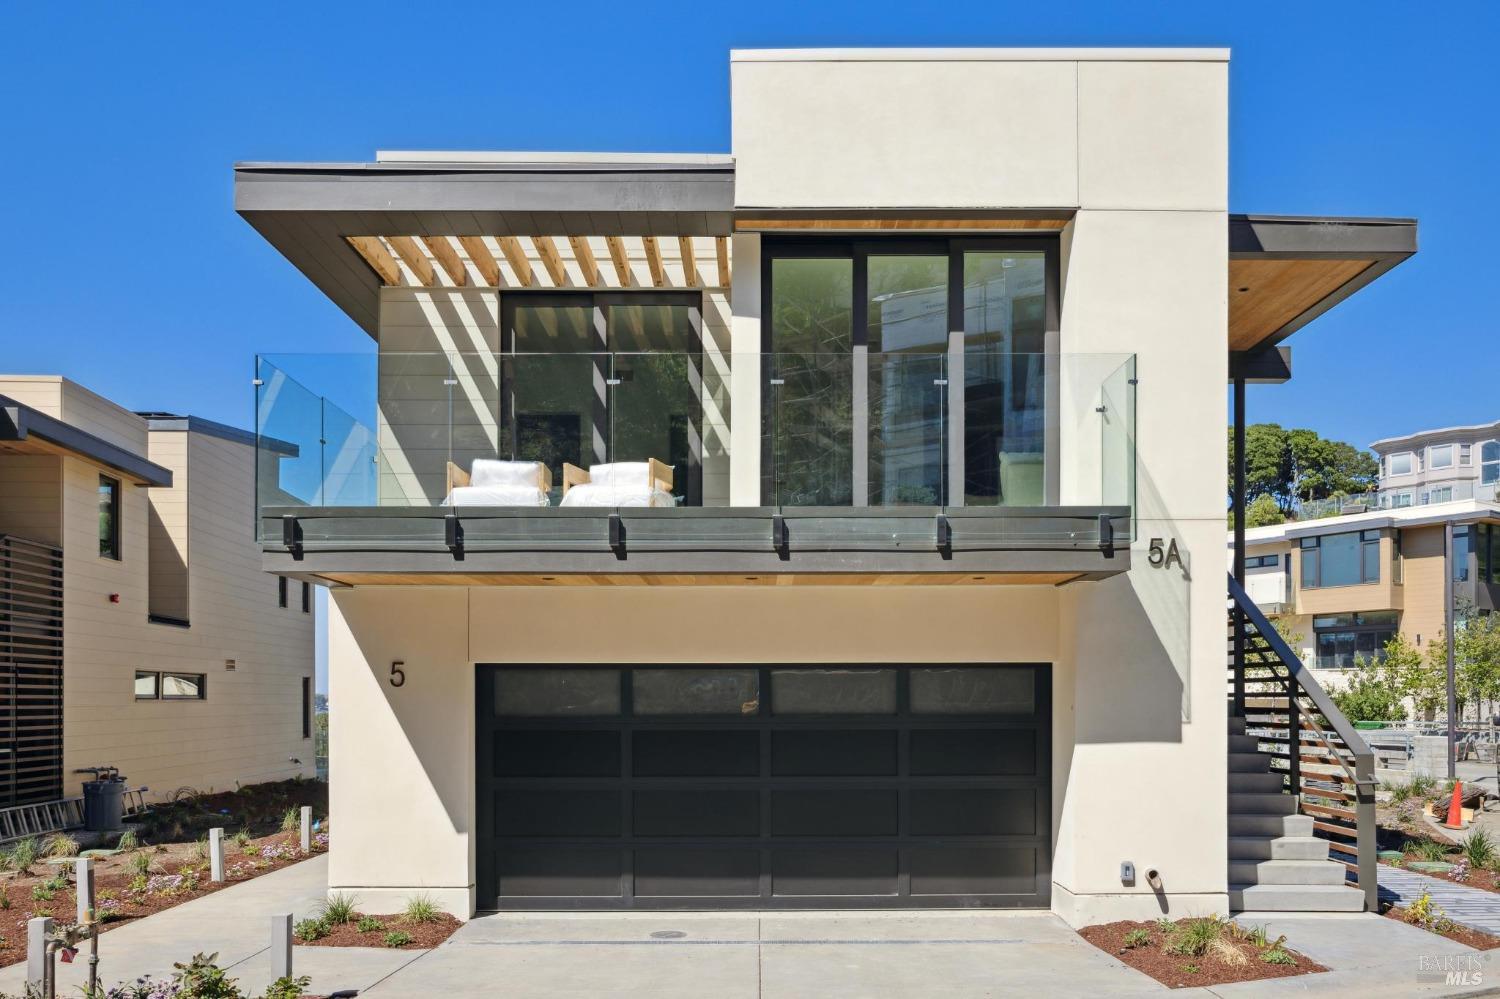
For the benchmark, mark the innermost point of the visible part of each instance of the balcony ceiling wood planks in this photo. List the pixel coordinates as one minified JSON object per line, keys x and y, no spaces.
{"x":584,"y":255}
{"x":546,"y":248}
{"x":447,"y":257}
{"x":702,"y":579}
{"x":410,"y":255}
{"x":617,"y":257}
{"x":653,"y":261}
{"x":484,"y":261}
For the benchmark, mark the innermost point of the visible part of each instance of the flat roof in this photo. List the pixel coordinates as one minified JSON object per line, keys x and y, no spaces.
{"x":1475,"y":429}
{"x":169,"y":422}
{"x":524,"y":158}
{"x":896,"y":54}
{"x":1458,"y":511}
{"x":28,"y":430}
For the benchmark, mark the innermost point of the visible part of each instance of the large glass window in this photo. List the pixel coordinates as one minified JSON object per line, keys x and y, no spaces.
{"x":1440,"y":456}
{"x":1347,"y":559}
{"x":1462,"y":545}
{"x":1489,"y":462}
{"x":907,"y":372}
{"x":588,"y":379}
{"x":1400,"y":464}
{"x":1343,"y":640}
{"x":109,"y":517}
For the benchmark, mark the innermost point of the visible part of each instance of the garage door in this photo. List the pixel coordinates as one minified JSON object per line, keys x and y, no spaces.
{"x":763,"y":787}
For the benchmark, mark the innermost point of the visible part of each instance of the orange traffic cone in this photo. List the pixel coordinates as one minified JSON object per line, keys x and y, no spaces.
{"x":1456,"y":807}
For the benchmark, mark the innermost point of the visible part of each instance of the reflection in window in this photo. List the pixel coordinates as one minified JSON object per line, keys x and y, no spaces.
{"x":972,"y":690}
{"x":548,"y":693}
{"x":147,"y":685}
{"x":1346,"y":559}
{"x":833,"y":692}
{"x":1343,"y":641}
{"x":695,"y":692}
{"x":1489,"y":462}
{"x":109,"y":517}
{"x":907,"y":306}
{"x":184,"y":686}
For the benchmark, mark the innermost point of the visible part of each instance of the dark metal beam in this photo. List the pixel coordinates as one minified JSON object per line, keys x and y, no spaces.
{"x":1267,"y":366}
{"x":19,"y":422}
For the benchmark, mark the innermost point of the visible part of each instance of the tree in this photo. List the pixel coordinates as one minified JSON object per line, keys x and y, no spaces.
{"x":1263,"y":512}
{"x":1415,"y":675}
{"x":1371,"y":695}
{"x":1295,"y":466}
{"x":1476,"y":657}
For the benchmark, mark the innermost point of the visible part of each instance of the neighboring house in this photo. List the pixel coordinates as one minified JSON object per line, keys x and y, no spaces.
{"x":136,"y":626}
{"x":1440,"y":466}
{"x":933,"y":369}
{"x":1348,"y":584}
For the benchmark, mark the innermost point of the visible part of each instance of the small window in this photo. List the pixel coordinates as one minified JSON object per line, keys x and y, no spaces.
{"x":280,"y":591}
{"x":972,"y":690}
{"x":147,"y":685}
{"x":109,"y":517}
{"x":184,"y":686}
{"x":1443,"y":495}
{"x":696,"y":691}
{"x":307,"y":706}
{"x":1440,"y":456}
{"x":1466,"y":454}
{"x":307,"y":598}
{"x":1400,"y":464}
{"x":547,"y":693}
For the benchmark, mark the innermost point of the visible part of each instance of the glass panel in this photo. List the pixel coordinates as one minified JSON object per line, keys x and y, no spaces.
{"x":109,"y":517}
{"x":555,"y":411}
{"x":907,"y":438}
{"x":182,"y":685}
{"x":1461,"y":547}
{"x":146,"y":685}
{"x":1309,"y":557}
{"x":655,"y":412}
{"x":1400,"y":464}
{"x":833,"y":692}
{"x":1340,"y":559}
{"x":1004,"y":386}
{"x":970,"y":690}
{"x":812,"y":309}
{"x":695,"y":691}
{"x":554,"y":326}
{"x":1370,"y":570}
{"x":1440,"y":456}
{"x":543,"y":693}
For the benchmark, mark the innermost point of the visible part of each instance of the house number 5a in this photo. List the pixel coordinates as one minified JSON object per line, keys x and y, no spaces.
{"x":1163,"y":557}
{"x":398,"y":675}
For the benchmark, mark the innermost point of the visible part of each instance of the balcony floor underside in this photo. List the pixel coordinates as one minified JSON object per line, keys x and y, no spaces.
{"x":696,"y":579}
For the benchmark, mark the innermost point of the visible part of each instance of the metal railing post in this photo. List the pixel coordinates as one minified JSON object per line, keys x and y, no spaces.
{"x":1294,"y":739}
{"x":1364,"y":822}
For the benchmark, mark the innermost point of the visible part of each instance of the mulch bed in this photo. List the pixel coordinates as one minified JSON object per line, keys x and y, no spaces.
{"x":423,"y":935}
{"x":178,"y":872}
{"x":1452,"y":931}
{"x":1179,"y":972}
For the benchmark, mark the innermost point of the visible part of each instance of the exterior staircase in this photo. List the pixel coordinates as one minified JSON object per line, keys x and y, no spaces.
{"x":1276,"y":864}
{"x":1301,"y":781}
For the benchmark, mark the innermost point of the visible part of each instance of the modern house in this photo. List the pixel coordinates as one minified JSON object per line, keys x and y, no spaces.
{"x":137,"y":628}
{"x":812,"y":525}
{"x":1440,"y":466}
{"x":1348,"y":584}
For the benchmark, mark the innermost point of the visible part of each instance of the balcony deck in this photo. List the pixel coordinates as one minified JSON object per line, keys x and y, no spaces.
{"x":696,"y":545}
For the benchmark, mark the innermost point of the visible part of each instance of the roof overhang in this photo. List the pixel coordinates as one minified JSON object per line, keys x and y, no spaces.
{"x":24,"y":430}
{"x":1286,"y":271}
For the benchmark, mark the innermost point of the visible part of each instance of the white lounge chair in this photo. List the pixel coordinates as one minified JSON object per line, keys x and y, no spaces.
{"x":621,"y":483}
{"x":499,"y":483}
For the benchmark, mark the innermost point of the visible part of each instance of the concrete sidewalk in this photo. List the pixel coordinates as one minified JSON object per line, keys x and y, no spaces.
{"x":234,"y":923}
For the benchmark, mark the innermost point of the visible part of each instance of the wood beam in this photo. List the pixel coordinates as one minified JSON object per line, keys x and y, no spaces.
{"x":377,"y":256}
{"x":653,"y":260}
{"x":721,"y":247}
{"x":516,"y":257}
{"x":484,"y":260}
{"x":447,"y":257}
{"x":617,"y":257}
{"x":547,"y":250}
{"x":689,"y":260}
{"x":584,"y":254}
{"x":406,"y":248}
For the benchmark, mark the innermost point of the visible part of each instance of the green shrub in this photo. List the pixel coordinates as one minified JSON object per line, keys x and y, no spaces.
{"x":369,"y":924}
{"x":397,"y":938}
{"x":291,"y":821}
{"x":61,"y":845}
{"x":288,"y":988}
{"x":202,"y":978}
{"x":41,"y":893}
{"x":421,"y":909}
{"x":339,"y":909}
{"x":139,"y":863}
{"x":1479,"y":849}
{"x":310,"y":929}
{"x":128,"y":841}
{"x":1277,"y":955}
{"x":1191,"y":937}
{"x":1427,"y":849}
{"x":23,"y":855}
{"x":1137,"y":938}
{"x":242,"y":838}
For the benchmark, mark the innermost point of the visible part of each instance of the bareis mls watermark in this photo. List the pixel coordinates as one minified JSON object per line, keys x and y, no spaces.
{"x":1452,"y":969}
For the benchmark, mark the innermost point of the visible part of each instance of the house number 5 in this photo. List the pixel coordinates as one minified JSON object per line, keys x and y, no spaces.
{"x":398,"y":675}
{"x":1162,"y":557}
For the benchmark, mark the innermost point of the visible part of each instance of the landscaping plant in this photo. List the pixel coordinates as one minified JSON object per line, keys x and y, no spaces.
{"x":1191,"y":937}
{"x":22,"y":855}
{"x":291,"y":820}
{"x":61,"y":845}
{"x":1479,"y":849}
{"x":339,"y":909}
{"x":308,"y":930}
{"x":288,"y":988}
{"x":369,"y":924}
{"x":1277,"y":955}
{"x":202,"y":978}
{"x":1138,"y":938}
{"x":397,"y":938}
{"x":421,"y":909}
{"x":128,"y":841}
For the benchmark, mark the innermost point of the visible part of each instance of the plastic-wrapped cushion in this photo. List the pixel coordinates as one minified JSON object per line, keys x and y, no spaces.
{"x":490,"y":472}
{"x":635,"y":475}
{"x":594,"y":494}
{"x":497,"y":496}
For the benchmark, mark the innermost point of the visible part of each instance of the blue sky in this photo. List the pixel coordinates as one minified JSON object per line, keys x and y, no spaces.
{"x":125,"y":268}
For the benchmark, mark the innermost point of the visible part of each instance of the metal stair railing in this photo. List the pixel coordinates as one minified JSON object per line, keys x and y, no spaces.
{"x":1328,"y":766}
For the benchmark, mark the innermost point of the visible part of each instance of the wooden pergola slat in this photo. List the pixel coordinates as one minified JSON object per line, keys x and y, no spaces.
{"x":584,"y":254}
{"x":653,"y":261}
{"x":551,"y":259}
{"x":689,"y":260}
{"x":406,"y":248}
{"x":484,"y":261}
{"x":516,"y":257}
{"x":377,"y":256}
{"x":447,"y":257}
{"x":617,"y":257}
{"x":721,"y":247}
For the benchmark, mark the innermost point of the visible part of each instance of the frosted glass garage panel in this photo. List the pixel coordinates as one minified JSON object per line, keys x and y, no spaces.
{"x":972,"y":690}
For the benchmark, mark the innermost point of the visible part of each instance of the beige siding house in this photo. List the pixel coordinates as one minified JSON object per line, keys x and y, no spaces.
{"x":177,"y":662}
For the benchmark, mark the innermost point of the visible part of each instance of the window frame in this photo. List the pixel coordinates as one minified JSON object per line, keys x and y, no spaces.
{"x":281,"y":597}
{"x":1489,"y":468}
{"x":1366,"y":539}
{"x":307,"y":707}
{"x":858,"y":250}
{"x":306,"y":597}
{"x":1465,"y":455}
{"x":1433,"y":450}
{"x":115,"y":549}
{"x":155,"y":676}
{"x":1355,"y":628}
{"x":1411,"y":467}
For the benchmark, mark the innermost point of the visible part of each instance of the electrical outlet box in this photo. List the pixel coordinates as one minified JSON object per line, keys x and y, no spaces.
{"x":1127,"y":872}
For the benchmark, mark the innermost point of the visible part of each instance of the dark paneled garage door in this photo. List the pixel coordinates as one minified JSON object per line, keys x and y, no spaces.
{"x":763,"y":787}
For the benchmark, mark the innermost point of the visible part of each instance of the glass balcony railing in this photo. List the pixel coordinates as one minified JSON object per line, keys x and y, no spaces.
{"x":970,"y":430}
